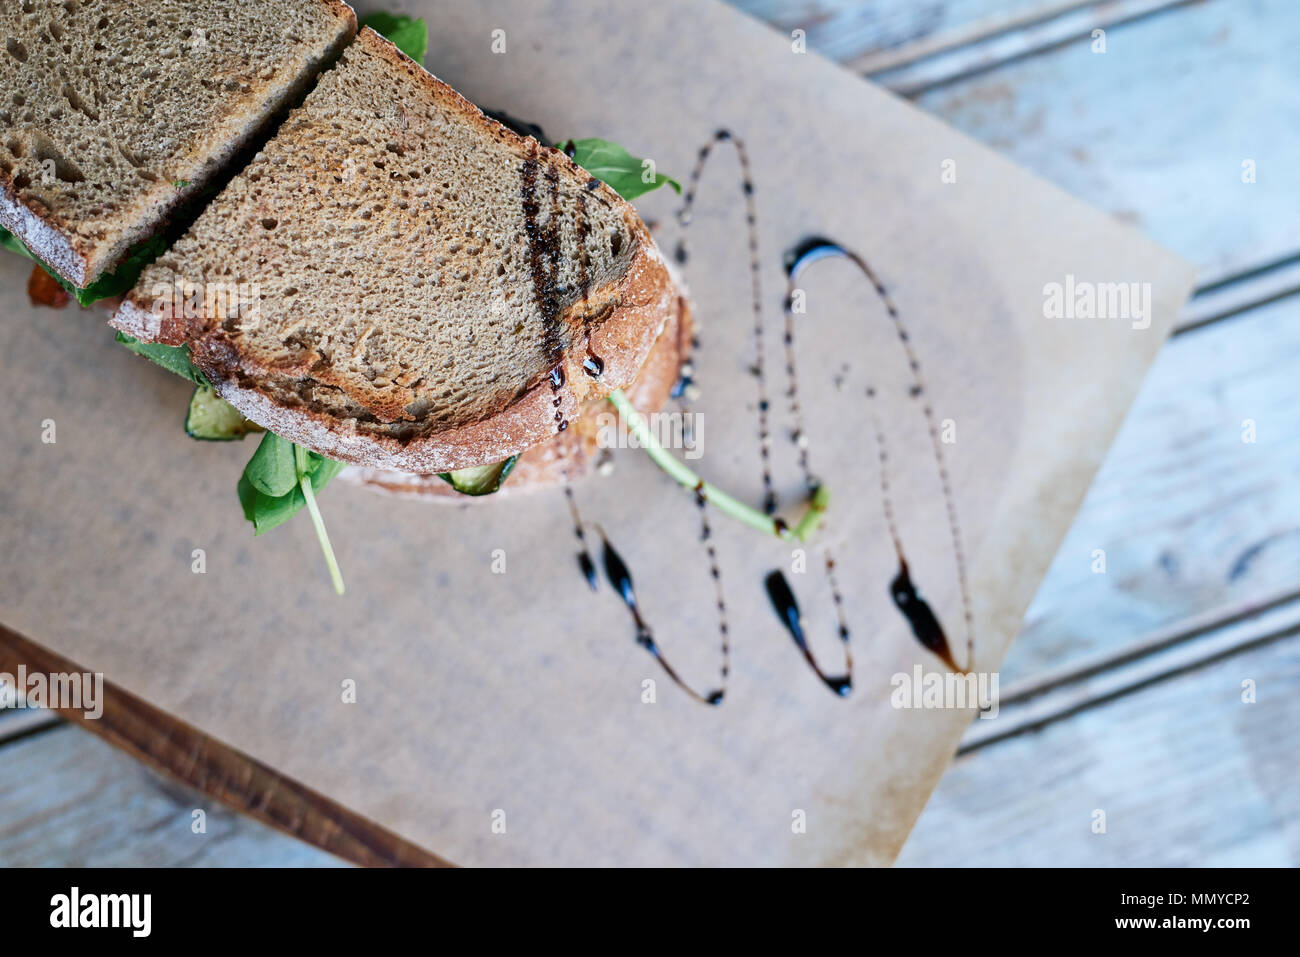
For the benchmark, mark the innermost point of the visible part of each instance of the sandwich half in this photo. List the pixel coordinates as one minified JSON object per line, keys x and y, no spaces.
{"x":398,"y":282}
{"x":569,"y":455}
{"x":117,"y":113}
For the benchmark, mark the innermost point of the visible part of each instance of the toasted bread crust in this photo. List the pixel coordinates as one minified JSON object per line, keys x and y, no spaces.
{"x":572,"y":454}
{"x":47,"y":234}
{"x":42,"y":233}
{"x":641,"y":300}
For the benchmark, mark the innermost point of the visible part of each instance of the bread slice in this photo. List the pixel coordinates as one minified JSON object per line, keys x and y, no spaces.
{"x":114,"y":113}
{"x":572,"y":454}
{"x":430,"y":286}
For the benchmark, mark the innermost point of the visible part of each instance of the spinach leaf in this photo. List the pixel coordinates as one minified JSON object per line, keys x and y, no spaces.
{"x":172,"y":358}
{"x":267,"y":511}
{"x":619,"y":169}
{"x":124,"y":277}
{"x":409,"y":35}
{"x":271,"y":470}
{"x":107,"y":285}
{"x":12,"y":243}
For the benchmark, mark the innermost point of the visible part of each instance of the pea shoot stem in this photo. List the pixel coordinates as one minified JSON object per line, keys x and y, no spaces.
{"x":304,"y":480}
{"x":801,"y":531}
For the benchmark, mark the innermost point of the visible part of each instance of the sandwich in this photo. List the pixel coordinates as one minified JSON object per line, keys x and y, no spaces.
{"x":399,"y":282}
{"x":393,"y":282}
{"x":116,"y":115}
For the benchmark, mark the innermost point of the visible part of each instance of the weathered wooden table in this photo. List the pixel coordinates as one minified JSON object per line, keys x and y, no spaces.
{"x":1164,"y":691}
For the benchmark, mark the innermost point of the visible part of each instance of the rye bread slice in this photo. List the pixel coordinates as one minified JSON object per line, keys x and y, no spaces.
{"x":429,"y":285}
{"x":114,"y":113}
{"x":572,"y":455}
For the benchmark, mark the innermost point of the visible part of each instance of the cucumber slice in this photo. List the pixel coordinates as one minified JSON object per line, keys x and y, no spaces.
{"x":480,"y":480}
{"x":214,"y":419}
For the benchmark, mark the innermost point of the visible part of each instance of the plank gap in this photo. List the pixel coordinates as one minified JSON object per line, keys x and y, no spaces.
{"x":19,"y":723}
{"x":1017,"y":42}
{"x":1248,"y":289}
{"x":1023,"y":714}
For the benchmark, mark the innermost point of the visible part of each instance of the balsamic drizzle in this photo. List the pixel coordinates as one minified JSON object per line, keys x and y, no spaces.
{"x":684,"y":216}
{"x":802,"y":444}
{"x":681,"y":389}
{"x":579,"y":532}
{"x":544,"y":248}
{"x":925,"y":626}
{"x":593,"y":364}
{"x":544,"y":252}
{"x":715,"y":572}
{"x":620,"y":577}
{"x":843,"y":685}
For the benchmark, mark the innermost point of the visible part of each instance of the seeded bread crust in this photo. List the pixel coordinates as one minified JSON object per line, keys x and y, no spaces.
{"x":571,"y":455}
{"x":82,"y":242}
{"x":618,"y":319}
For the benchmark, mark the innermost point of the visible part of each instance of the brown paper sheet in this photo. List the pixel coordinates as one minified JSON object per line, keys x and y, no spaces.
{"x":522,"y":692}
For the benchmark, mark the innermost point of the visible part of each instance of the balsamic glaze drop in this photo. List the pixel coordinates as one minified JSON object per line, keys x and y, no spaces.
{"x":787,"y":609}
{"x":556,"y":377}
{"x":919,"y":615}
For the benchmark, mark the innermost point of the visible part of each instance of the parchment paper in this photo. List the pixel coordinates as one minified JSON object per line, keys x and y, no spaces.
{"x":522,"y":692}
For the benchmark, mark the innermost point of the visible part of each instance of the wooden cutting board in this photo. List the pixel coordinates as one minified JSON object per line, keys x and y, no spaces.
{"x":503,"y":716}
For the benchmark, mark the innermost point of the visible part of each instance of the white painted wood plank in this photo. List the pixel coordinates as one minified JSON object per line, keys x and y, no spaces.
{"x":16,"y":722}
{"x":69,"y":799}
{"x":1192,"y":520}
{"x":1267,"y":284}
{"x":926,"y":64}
{"x":1156,"y":129}
{"x":1059,"y":694}
{"x":1185,"y":771}
{"x":851,"y":30}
